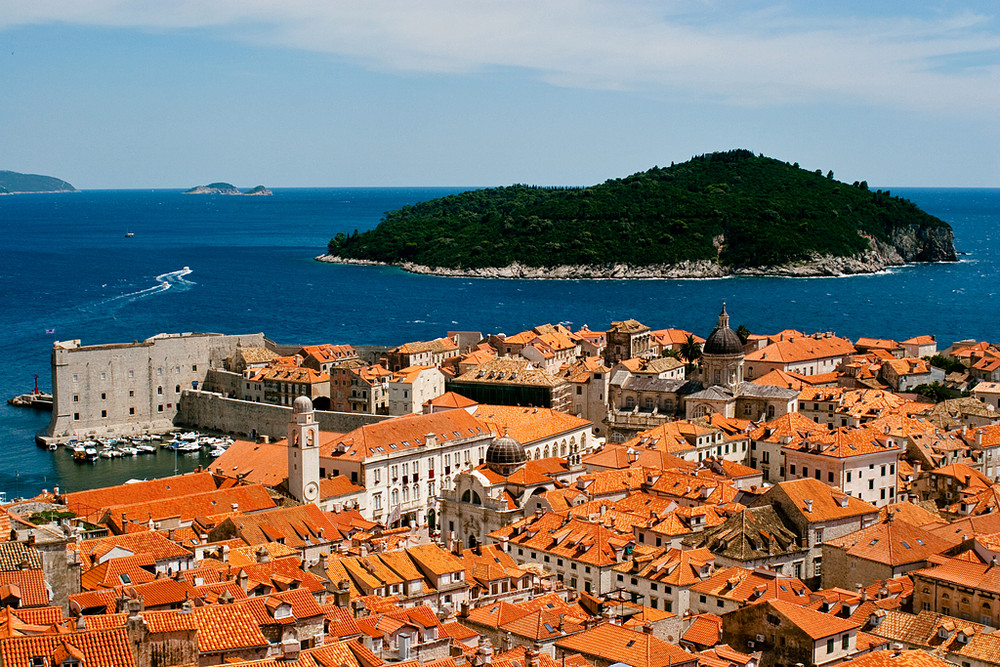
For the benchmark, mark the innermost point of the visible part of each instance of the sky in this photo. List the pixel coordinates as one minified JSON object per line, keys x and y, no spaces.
{"x":323,"y":93}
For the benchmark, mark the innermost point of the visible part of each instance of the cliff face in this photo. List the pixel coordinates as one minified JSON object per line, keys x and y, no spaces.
{"x":924,"y":244}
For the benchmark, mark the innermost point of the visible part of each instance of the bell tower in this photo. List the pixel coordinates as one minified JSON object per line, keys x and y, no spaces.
{"x":303,"y":452}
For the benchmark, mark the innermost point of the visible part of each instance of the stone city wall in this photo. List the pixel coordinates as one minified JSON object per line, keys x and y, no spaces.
{"x":214,"y":412}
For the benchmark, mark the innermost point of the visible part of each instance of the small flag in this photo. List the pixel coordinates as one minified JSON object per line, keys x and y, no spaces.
{"x":50,"y":331}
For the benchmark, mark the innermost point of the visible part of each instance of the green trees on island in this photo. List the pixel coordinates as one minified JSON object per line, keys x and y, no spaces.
{"x":734,"y":207}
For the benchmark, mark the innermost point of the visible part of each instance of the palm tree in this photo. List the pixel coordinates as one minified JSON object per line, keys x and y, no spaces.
{"x":691,"y":350}
{"x":743,"y":333}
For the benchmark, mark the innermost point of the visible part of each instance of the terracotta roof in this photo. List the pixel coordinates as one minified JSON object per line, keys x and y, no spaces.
{"x":893,"y":543}
{"x":226,"y":628}
{"x":297,"y":527}
{"x":567,"y":537}
{"x":102,"y":648}
{"x":617,"y":644}
{"x":17,"y":556}
{"x":802,"y":348}
{"x":815,"y":624}
{"x":152,"y":543}
{"x":747,"y":586}
{"x":249,"y":498}
{"x":705,"y":630}
{"x":90,"y":504}
{"x":675,"y":567}
{"x":528,"y":425}
{"x":911,"y":658}
{"x":980,"y":576}
{"x":283,"y":373}
{"x":816,"y":501}
{"x":406,"y":432}
{"x":450,"y":400}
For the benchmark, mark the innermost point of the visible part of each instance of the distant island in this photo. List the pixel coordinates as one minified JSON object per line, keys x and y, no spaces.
{"x":719,"y":214}
{"x":226,"y":189}
{"x":12,"y":182}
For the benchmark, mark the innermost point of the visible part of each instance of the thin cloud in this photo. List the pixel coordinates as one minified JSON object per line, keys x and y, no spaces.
{"x":693,"y":50}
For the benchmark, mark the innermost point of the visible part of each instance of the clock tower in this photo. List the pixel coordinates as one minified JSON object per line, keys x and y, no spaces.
{"x":303,"y":452}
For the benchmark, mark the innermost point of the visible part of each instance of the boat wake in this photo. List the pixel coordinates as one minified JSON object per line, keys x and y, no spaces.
{"x":165,"y":281}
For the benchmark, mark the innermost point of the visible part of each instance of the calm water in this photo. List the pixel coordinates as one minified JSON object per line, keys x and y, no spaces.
{"x":68,"y":266}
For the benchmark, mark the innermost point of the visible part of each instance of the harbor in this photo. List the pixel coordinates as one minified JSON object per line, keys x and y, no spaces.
{"x":187,"y":443}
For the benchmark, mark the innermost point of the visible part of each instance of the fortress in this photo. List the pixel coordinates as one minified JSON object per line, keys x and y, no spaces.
{"x":132,"y":388}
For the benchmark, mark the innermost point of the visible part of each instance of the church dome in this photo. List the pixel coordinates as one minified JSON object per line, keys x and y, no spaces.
{"x":301,"y":405}
{"x":505,"y":455}
{"x":723,"y":340}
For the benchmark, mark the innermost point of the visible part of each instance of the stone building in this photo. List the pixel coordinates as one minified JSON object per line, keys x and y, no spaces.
{"x":626,"y":340}
{"x":132,"y":388}
{"x":790,"y":634}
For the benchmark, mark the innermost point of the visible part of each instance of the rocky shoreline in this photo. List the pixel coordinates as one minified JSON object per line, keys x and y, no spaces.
{"x":820,"y":266}
{"x":908,"y":245}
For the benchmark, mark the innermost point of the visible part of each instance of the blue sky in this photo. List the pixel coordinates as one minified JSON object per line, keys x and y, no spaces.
{"x":120,"y":94}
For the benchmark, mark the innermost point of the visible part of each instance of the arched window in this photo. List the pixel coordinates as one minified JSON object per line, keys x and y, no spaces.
{"x":406,"y":494}
{"x":629,"y":402}
{"x":395,"y":496}
{"x":546,"y":451}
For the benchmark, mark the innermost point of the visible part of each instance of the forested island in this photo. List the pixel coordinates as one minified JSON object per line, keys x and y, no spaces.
{"x":12,"y":182}
{"x":717,"y":214}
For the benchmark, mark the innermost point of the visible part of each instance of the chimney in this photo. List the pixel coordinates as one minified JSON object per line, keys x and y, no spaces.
{"x":809,"y":505}
{"x":463,"y":610}
{"x":263,"y":556}
{"x":235,"y":507}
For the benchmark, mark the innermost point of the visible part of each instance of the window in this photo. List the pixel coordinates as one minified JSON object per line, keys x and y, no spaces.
{"x":829,"y":645}
{"x":131,"y":411}
{"x":104,"y":396}
{"x":377,"y":502}
{"x":76,"y":416}
{"x":702,"y":599}
{"x":829,"y":476}
{"x":76,"y":398}
{"x":845,"y":642}
{"x":159,"y":408}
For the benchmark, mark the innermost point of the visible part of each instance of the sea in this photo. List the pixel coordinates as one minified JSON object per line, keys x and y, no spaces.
{"x":111,"y":266}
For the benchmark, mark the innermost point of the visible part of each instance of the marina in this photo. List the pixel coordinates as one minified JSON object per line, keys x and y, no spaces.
{"x":190,"y":442}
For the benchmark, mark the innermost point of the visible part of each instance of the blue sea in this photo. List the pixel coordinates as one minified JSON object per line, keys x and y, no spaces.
{"x":245,"y":264}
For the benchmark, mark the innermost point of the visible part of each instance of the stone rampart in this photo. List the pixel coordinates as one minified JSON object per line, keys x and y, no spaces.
{"x":210,"y":411}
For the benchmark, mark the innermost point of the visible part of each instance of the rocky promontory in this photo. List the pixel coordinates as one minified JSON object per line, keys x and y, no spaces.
{"x":12,"y":182}
{"x":720,"y":214}
{"x":221,"y":188}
